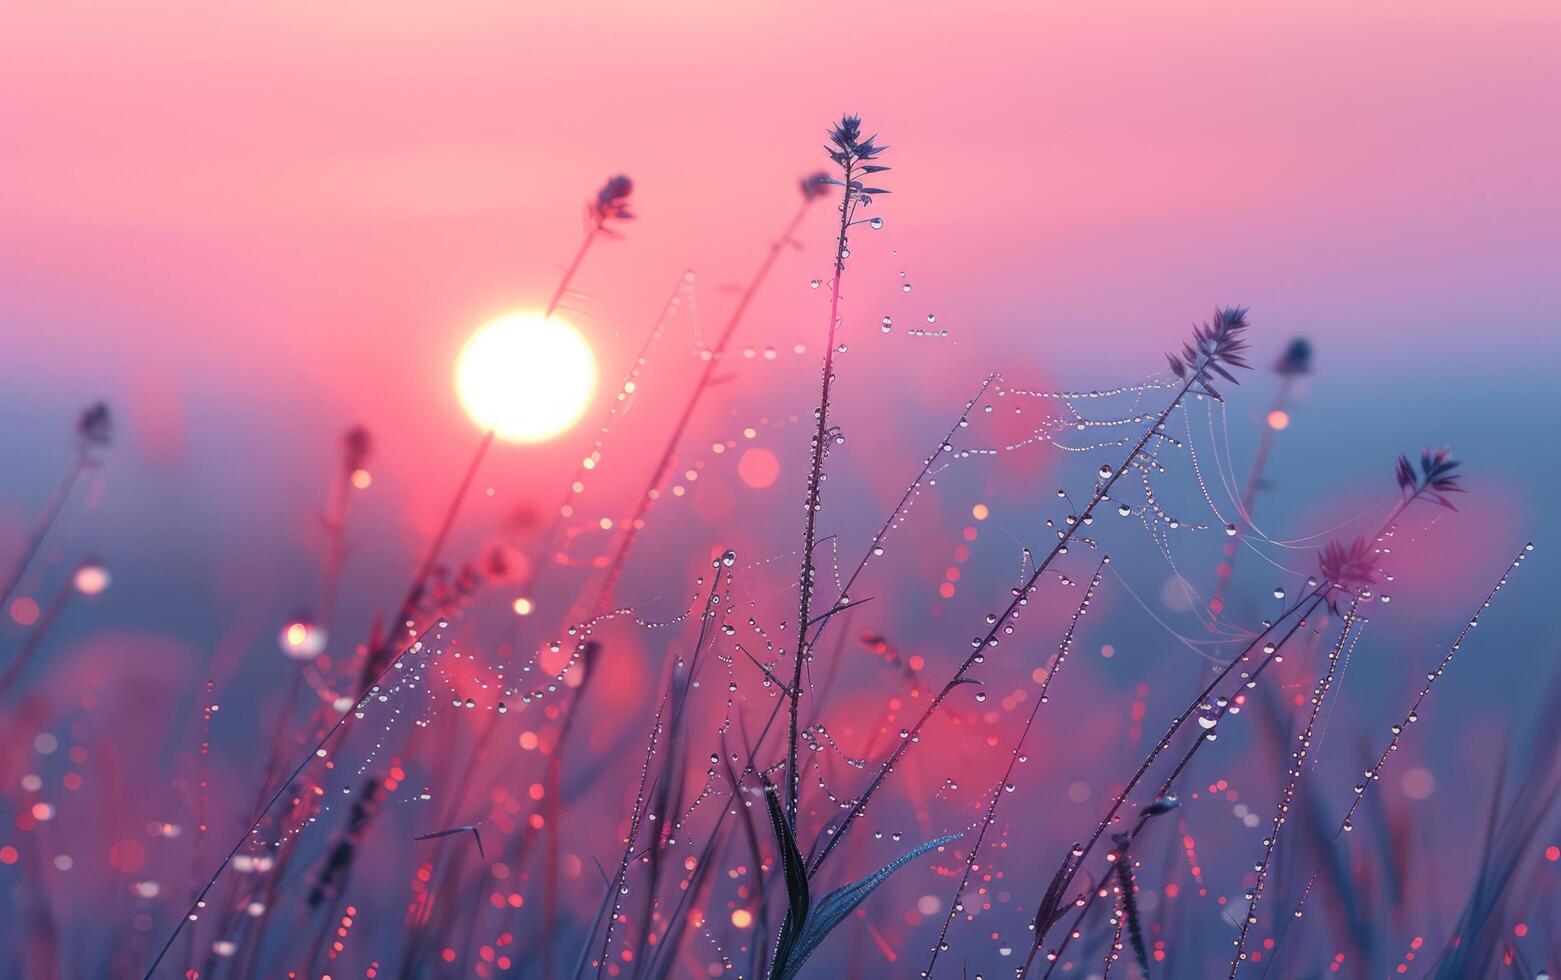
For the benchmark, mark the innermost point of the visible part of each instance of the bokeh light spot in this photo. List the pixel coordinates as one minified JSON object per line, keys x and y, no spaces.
{"x":25,"y":610}
{"x":91,"y":579}
{"x":758,"y":468}
{"x":1417,"y":782}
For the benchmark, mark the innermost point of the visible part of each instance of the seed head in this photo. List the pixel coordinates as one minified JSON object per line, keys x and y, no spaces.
{"x":356,"y":445}
{"x":1297,"y":359}
{"x":1215,"y":345}
{"x":1348,"y":566}
{"x":612,"y":201}
{"x":1435,"y":479}
{"x":95,"y":427}
{"x":815,"y":185}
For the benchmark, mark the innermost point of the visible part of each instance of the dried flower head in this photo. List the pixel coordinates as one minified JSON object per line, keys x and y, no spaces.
{"x":1216,"y":344}
{"x":356,"y":445}
{"x":1435,"y":478}
{"x":95,"y":427}
{"x":497,"y":564}
{"x":612,"y":201}
{"x":815,"y":185}
{"x":1297,"y":359}
{"x":1351,"y":567}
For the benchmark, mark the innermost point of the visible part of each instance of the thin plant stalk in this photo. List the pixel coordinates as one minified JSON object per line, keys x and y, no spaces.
{"x":1006,"y":781}
{"x":93,"y":430}
{"x":1436,"y":482}
{"x":668,"y":717}
{"x":1374,"y":774}
{"x":610,"y":204}
{"x":815,"y":478}
{"x":552,"y":791}
{"x":373,"y":665}
{"x":51,"y":615}
{"x":609,"y":905}
{"x":647,"y":497}
{"x":1338,"y":574}
{"x":1021,"y":596}
{"x":550,"y":539}
{"x":356,"y":449}
{"x":1287,"y":796}
{"x":46,"y":519}
{"x":319,"y":747}
{"x":1312,"y":600}
{"x":852,"y":156}
{"x":1295,"y":362}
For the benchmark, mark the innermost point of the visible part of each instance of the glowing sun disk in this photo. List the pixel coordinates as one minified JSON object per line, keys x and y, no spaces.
{"x":526,"y":377}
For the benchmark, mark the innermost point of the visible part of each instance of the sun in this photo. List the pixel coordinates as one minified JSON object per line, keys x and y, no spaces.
{"x":525,"y":376}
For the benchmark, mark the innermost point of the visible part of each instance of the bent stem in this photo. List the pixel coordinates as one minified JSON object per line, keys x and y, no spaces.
{"x":45,"y":521}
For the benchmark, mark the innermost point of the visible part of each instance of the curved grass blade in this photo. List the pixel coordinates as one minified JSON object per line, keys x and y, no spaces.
{"x":834,"y":907}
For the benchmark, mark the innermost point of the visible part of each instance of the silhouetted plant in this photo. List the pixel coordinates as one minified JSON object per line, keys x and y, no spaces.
{"x":94,"y":431}
{"x":1435,"y":479}
{"x":808,"y":922}
{"x":852,"y":154}
{"x":1374,"y":773}
{"x":1338,"y":560}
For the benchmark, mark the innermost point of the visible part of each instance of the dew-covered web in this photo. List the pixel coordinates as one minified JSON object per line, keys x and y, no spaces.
{"x":434,"y":679}
{"x":671,"y":843}
{"x":1073,"y":423}
{"x":1220,"y":438}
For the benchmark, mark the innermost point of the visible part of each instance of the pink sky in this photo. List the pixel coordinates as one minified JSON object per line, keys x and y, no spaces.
{"x":307,"y":208}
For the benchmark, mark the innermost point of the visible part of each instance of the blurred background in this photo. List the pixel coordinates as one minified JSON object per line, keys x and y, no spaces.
{"x":248,"y":231}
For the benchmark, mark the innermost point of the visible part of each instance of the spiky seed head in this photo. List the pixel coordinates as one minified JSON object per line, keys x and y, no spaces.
{"x":1349,"y":566}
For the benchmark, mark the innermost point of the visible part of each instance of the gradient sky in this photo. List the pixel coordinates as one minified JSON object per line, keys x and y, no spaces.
{"x":249,"y":226}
